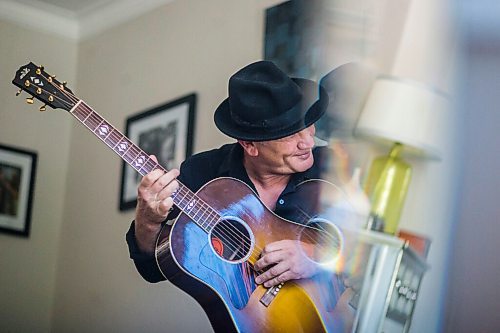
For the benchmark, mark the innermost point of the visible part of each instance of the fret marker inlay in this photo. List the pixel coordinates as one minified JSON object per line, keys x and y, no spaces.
{"x":122,"y":146}
{"x":103,"y":130}
{"x":191,"y":204}
{"x":140,"y":160}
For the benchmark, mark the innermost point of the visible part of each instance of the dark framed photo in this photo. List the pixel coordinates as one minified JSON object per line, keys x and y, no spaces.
{"x":165,"y":131}
{"x":17,"y":182}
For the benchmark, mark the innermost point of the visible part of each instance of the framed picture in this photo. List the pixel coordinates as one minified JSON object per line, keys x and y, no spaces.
{"x":17,"y":182}
{"x":295,"y":37}
{"x":165,"y":131}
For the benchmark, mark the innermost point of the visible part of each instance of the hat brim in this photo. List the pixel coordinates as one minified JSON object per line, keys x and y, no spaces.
{"x":314,"y":108}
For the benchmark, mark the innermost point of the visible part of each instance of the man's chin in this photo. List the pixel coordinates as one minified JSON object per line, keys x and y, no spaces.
{"x":302,"y":165}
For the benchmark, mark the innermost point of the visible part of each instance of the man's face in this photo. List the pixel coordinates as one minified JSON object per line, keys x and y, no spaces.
{"x":288,"y":155}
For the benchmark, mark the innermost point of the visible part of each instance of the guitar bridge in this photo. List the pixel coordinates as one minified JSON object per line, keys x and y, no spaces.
{"x":270,"y":294}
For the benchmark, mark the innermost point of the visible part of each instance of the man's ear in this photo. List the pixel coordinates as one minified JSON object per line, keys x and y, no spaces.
{"x":249,"y":147}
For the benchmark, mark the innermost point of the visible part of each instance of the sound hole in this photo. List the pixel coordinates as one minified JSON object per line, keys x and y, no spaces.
{"x":231,"y":239}
{"x":326,"y":239}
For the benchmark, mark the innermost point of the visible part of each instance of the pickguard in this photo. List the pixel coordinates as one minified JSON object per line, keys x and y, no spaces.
{"x":238,"y":277}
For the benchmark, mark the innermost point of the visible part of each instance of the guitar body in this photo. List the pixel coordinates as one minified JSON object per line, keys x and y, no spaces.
{"x":304,"y":305}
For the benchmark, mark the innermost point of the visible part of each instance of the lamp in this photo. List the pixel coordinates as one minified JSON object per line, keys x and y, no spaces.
{"x":409,"y":116}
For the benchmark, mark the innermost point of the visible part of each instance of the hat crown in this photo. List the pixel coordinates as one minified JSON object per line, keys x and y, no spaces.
{"x":266,"y":104}
{"x":261,"y":92}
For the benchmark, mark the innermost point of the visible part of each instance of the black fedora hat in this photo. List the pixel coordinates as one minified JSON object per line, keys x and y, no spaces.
{"x":266,"y":104}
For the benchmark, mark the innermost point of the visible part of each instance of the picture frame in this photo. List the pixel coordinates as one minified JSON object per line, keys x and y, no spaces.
{"x":295,"y":37}
{"x":17,"y":183}
{"x":165,"y":131}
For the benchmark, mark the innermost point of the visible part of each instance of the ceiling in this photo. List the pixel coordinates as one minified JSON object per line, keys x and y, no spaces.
{"x":74,"y":19}
{"x":76,"y":7}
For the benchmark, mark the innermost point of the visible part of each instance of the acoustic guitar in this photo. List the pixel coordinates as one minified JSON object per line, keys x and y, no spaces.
{"x":222,"y":230}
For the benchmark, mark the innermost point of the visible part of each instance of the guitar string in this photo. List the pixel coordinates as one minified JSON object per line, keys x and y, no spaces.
{"x":93,"y":113}
{"x":92,"y":119}
{"x":308,"y":232}
{"x":100,"y":121}
{"x":230,"y":230}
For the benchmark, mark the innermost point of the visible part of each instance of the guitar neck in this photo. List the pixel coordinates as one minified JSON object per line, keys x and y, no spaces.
{"x":187,"y":201}
{"x":114,"y":139}
{"x":43,"y":86}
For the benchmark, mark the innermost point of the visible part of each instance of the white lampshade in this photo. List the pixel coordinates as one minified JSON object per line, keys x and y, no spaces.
{"x":405,"y":111}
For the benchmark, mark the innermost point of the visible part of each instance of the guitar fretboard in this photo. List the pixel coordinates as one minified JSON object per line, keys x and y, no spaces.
{"x":187,"y":201}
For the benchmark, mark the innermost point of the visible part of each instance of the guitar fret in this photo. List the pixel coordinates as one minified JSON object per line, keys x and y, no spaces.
{"x":90,"y":113}
{"x":202,"y":211}
{"x":194,"y":205}
{"x":112,"y":139}
{"x":182,"y":199}
{"x":80,"y":114}
{"x":87,"y":125}
{"x":150,"y":165}
{"x":147,"y":170}
{"x":92,"y":121}
{"x":139,"y":161}
{"x":179,"y":198}
{"x":103,"y":130}
{"x":122,"y":146}
{"x":208,"y":219}
{"x":118,"y":139}
{"x":126,"y":156}
{"x":213,"y":218}
{"x":199,"y":213}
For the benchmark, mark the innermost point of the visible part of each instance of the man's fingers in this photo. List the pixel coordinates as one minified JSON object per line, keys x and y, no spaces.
{"x":279,"y":279}
{"x":164,"y":180}
{"x":272,"y":273}
{"x":153,"y":157}
{"x":274,"y":246}
{"x":269,"y":259}
{"x":164,"y":206}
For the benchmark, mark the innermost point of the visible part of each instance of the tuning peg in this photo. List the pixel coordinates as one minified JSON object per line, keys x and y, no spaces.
{"x":38,"y":90}
{"x":18,"y":92}
{"x":30,"y":100}
{"x":39,"y":70}
{"x":43,"y":108}
{"x":51,"y":77}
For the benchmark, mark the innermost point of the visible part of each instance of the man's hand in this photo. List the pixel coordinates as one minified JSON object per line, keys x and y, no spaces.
{"x":284,"y":260}
{"x":154,"y":202}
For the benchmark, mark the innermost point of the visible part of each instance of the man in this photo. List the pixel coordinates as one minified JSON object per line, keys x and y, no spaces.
{"x":272,"y":118}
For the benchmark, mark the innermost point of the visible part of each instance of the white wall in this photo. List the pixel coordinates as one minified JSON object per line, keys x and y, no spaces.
{"x":28,"y":266}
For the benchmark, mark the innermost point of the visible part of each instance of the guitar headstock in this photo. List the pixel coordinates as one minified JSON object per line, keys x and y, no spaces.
{"x":44,"y":87}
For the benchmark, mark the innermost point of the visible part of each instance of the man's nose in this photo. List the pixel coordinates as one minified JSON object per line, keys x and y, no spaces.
{"x":306,"y":138}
